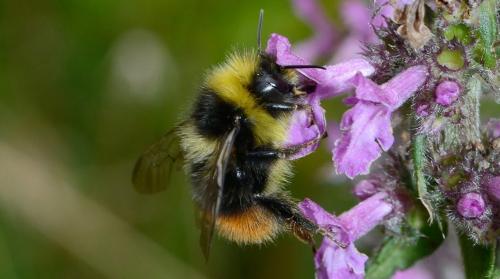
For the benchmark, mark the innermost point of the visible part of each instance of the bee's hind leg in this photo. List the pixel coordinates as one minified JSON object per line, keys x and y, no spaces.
{"x":285,"y":209}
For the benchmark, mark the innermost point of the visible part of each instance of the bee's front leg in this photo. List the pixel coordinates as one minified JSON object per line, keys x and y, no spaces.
{"x":281,"y":153}
{"x":284,"y":107}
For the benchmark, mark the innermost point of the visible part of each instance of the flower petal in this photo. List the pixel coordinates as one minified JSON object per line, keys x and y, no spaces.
{"x":406,"y":83}
{"x":357,"y":16}
{"x":366,"y":188}
{"x":385,"y":10}
{"x":330,"y":82}
{"x":365,"y":216}
{"x":394,"y":92}
{"x":336,"y":78}
{"x":280,"y":47}
{"x":325,"y":33}
{"x":333,"y":131}
{"x":326,"y":221}
{"x":306,"y":127}
{"x":366,"y":132}
{"x":368,"y":90}
{"x":334,"y":262}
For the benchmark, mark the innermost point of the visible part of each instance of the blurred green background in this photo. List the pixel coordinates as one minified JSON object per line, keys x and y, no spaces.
{"x":85,"y":87}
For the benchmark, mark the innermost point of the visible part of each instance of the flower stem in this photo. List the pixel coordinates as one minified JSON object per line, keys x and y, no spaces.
{"x":479,"y":260}
{"x":467,"y":129}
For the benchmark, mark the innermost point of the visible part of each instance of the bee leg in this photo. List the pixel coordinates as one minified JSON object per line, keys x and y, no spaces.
{"x":291,"y":151}
{"x":272,"y":154}
{"x":286,"y":107}
{"x":282,"y":153}
{"x":282,"y":207}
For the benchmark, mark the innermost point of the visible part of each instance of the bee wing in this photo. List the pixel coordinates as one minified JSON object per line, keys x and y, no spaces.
{"x":214,"y":190}
{"x":153,"y":168}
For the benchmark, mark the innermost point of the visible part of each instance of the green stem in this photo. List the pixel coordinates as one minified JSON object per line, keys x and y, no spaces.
{"x":479,"y":260}
{"x":467,"y":129}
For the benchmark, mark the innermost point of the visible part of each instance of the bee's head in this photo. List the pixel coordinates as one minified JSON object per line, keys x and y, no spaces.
{"x":273,"y":83}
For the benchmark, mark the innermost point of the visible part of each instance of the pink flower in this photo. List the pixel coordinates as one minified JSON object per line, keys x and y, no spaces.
{"x":366,"y":127}
{"x":338,"y":257}
{"x":332,"y":81}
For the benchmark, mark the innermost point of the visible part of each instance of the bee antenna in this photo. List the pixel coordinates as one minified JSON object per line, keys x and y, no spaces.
{"x":303,"y":67}
{"x":259,"y":29}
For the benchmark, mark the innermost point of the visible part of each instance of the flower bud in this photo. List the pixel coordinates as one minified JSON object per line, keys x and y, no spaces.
{"x":365,"y":189}
{"x":447,"y":93}
{"x":471,"y":205}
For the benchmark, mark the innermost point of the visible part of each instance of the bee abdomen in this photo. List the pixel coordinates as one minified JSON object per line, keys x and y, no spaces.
{"x":256,"y":225}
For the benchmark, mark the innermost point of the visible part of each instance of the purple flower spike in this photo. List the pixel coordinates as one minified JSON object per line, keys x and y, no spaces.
{"x":307,"y":127}
{"x":325,"y":34}
{"x":447,"y":93}
{"x":366,"y":126}
{"x":338,"y":258}
{"x":471,"y":205}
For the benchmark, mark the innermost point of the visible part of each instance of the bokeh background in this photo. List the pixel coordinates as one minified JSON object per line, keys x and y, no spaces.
{"x":85,"y":87}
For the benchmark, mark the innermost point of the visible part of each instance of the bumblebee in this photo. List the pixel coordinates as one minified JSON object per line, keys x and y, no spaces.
{"x":232,"y":146}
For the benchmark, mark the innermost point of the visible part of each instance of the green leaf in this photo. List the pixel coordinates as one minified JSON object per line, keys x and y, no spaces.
{"x":398,"y":253}
{"x":461,"y":32}
{"x":484,"y":51}
{"x":479,"y":260}
{"x":487,"y":22}
{"x":418,"y":156}
{"x":451,"y":59}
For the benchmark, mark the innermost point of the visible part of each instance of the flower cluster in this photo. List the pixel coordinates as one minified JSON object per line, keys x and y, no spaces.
{"x":415,"y":61}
